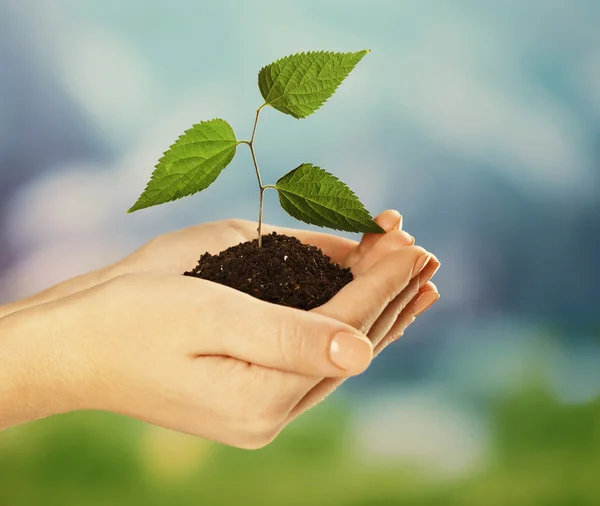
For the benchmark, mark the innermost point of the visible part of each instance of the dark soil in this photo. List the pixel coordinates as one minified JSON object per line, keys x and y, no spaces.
{"x":283,"y":271}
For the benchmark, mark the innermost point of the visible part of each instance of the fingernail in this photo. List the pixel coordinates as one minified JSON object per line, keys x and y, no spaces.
{"x":391,"y":221}
{"x":351,"y":352}
{"x":424,"y":302}
{"x":420,"y":264}
{"x":430,"y":272}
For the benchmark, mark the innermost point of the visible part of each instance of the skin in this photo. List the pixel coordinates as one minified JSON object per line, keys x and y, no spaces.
{"x":139,"y":339}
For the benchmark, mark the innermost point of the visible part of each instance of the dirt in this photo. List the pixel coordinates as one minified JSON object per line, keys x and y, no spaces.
{"x":283,"y":271}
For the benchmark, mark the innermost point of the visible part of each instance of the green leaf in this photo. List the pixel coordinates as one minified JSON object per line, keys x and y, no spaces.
{"x":301,"y":83}
{"x":313,"y":195}
{"x":191,"y":164}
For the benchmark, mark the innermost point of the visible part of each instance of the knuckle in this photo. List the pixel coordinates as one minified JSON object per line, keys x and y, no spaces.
{"x":237,"y":224}
{"x":357,"y":322}
{"x":343,"y":313}
{"x":123,"y":279}
{"x":114,"y":286}
{"x":415,"y":252}
{"x":403,"y":261}
{"x":155,"y":243}
{"x":115,"y":270}
{"x":244,"y":228}
{"x":131,"y":288}
{"x":123,"y":282}
{"x":395,"y":238}
{"x":234,"y":222}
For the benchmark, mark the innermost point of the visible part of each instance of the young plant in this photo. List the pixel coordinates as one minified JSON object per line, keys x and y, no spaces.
{"x":297,"y":85}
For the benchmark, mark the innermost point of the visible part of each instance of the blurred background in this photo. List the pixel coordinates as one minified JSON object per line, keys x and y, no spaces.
{"x":478,"y":121}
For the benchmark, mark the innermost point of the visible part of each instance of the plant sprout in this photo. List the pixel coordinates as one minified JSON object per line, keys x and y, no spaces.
{"x":296,"y":85}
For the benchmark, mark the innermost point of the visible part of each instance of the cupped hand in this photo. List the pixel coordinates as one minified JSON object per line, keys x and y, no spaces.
{"x":259,"y":380}
{"x":178,"y":251}
{"x":187,"y":354}
{"x":199,"y":357}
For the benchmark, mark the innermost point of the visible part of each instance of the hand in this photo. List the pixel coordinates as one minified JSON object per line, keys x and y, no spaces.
{"x":184,"y":353}
{"x":383,"y":323}
{"x":376,"y":256}
{"x":384,"y":316}
{"x":179,"y":251}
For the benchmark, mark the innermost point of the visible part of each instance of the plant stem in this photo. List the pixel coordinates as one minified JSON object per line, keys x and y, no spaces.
{"x":260,"y":213}
{"x":260,"y":185}
{"x":255,"y":123}
{"x":255,"y":164}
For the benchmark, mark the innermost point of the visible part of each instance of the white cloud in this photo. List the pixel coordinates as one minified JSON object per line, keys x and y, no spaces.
{"x":57,"y":260}
{"x":109,"y":79}
{"x":60,"y":203}
{"x":464,"y":88}
{"x":529,"y":139}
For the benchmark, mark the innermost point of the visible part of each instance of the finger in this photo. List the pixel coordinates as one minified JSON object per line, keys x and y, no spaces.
{"x":325,"y":387}
{"x":283,"y":338}
{"x":392,"y":241}
{"x":361,"y":302}
{"x":404,"y":266}
{"x":430,"y":269}
{"x":406,"y":318}
{"x":386,"y":321}
{"x":428,"y":296}
{"x":317,"y":394}
{"x":388,"y":220}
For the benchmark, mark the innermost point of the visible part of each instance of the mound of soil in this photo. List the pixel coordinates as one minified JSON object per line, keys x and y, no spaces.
{"x":283,"y":271}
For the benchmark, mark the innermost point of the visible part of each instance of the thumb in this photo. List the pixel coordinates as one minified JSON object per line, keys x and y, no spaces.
{"x":297,"y":341}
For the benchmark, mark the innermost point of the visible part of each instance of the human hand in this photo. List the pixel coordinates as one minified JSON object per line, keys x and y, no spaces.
{"x":375,"y":315}
{"x":109,"y":338}
{"x":177,"y":251}
{"x":179,"y":352}
{"x":399,"y":305}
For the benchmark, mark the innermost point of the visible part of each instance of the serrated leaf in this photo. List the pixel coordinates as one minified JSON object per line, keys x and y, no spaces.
{"x":191,"y":164}
{"x":301,"y":83}
{"x":313,"y":195}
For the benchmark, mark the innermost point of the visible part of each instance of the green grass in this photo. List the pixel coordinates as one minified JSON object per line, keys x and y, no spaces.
{"x":544,"y":453}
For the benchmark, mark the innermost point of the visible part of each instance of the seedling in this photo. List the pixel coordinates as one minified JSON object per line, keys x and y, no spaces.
{"x":297,"y":85}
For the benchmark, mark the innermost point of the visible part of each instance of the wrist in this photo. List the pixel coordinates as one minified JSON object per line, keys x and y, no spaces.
{"x":31,"y":382}
{"x":68,"y":287}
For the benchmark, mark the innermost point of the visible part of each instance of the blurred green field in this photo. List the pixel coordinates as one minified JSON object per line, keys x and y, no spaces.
{"x":542,"y":453}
